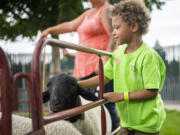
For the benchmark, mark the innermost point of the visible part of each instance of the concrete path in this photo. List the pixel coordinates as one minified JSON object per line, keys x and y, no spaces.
{"x":172,"y":106}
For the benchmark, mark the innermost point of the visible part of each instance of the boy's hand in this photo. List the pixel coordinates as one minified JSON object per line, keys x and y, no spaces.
{"x":113,"y":97}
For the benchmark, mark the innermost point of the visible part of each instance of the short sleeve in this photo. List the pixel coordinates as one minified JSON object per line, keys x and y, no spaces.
{"x":151,"y":71}
{"x":108,"y":69}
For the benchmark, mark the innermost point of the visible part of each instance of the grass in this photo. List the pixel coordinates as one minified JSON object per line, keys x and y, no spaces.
{"x":171,"y":125}
{"x":25,"y":114}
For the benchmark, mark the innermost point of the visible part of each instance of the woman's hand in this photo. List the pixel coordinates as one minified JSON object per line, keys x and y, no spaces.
{"x":66,"y":53}
{"x":44,"y":34}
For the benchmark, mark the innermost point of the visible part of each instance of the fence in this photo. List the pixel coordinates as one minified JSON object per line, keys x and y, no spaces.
{"x":21,"y":63}
{"x":170,"y":92}
{"x":9,"y":86}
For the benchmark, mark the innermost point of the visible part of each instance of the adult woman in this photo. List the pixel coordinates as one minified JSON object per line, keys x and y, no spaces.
{"x":94,"y":30}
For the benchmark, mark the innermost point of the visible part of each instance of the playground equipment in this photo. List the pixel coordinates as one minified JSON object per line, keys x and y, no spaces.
{"x":9,"y":86}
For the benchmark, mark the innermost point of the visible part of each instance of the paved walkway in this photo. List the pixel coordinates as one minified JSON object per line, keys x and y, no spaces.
{"x":172,"y":106}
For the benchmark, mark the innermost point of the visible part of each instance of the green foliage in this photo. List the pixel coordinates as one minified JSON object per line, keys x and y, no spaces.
{"x":171,"y":124}
{"x":149,"y":3}
{"x":161,"y":51}
{"x":27,"y":17}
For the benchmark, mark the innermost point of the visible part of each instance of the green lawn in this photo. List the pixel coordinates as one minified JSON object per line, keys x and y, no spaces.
{"x":27,"y":114}
{"x":171,"y":125}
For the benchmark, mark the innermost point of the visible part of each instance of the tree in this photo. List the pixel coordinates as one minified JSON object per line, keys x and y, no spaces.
{"x":160,"y":50}
{"x":172,"y":67}
{"x":26,"y":17}
{"x":149,"y":3}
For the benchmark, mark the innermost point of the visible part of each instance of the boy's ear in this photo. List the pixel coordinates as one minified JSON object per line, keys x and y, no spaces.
{"x":86,"y":94}
{"x":46,"y":96}
{"x":134,"y":27}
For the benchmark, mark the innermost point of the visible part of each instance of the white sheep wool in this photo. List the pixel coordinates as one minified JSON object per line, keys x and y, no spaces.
{"x":22,"y":125}
{"x":91,"y":125}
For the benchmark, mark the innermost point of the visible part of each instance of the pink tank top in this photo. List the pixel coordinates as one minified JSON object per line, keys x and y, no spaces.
{"x":93,"y":35}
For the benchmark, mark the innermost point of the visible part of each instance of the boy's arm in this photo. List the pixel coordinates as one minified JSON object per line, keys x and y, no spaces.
{"x":143,"y":94}
{"x":92,"y":82}
{"x":133,"y":96}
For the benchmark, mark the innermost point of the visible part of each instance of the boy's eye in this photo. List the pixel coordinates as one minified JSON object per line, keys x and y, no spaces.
{"x":116,"y":27}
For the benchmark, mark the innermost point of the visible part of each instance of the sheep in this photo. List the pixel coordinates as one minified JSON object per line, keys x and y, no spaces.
{"x":23,"y":125}
{"x":88,"y":123}
{"x":63,"y":93}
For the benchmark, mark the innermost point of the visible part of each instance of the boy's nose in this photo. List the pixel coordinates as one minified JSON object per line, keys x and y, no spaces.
{"x":114,"y":33}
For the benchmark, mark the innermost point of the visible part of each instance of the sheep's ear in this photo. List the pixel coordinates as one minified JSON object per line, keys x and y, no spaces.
{"x":49,"y":82}
{"x":46,"y":96}
{"x":86,"y":94}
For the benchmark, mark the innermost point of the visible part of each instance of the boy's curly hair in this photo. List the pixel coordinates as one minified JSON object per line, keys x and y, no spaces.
{"x":133,"y":11}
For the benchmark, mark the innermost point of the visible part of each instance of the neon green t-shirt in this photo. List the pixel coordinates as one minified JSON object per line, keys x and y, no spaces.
{"x":142,"y":69}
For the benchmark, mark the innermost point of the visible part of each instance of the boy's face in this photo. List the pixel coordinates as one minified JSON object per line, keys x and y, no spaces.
{"x":121,"y":31}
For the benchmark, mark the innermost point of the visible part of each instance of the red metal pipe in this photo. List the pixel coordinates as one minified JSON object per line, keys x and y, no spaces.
{"x":6,"y":96}
{"x":35,"y":72}
{"x":15,"y":100}
{"x":31,"y":95}
{"x":72,"y":112}
{"x":101,"y":92}
{"x":15,"y":82}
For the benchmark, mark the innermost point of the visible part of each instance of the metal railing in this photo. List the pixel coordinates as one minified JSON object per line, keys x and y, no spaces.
{"x":38,"y":119}
{"x":34,"y":90}
{"x":6,"y":95}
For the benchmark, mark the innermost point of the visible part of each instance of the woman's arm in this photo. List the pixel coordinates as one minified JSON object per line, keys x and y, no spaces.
{"x":68,"y":54}
{"x":92,"y":82}
{"x":106,"y":20}
{"x":133,"y":96}
{"x":107,"y":24}
{"x":63,"y":27}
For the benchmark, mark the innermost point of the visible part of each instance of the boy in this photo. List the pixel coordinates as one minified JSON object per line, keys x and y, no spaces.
{"x":138,"y":72}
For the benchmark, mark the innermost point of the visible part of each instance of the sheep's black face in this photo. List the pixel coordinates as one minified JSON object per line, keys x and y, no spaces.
{"x":63,"y":93}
